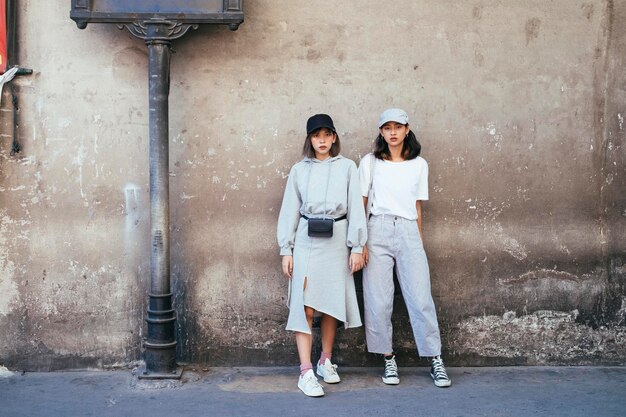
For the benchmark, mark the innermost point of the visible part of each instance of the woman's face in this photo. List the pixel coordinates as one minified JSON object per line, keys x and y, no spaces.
{"x":394,"y":133}
{"x":322,"y":139}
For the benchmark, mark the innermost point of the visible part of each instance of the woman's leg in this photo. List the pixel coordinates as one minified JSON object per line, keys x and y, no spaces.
{"x":329,"y":330}
{"x":325,"y":368}
{"x":304,"y":341}
{"x":307,"y":381}
{"x":378,"y":294}
{"x":378,"y":288}
{"x":414,"y":279}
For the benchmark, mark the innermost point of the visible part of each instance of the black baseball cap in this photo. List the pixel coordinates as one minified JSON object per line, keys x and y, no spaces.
{"x":319,"y":121}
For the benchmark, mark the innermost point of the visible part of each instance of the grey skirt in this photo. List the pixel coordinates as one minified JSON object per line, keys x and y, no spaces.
{"x":321,"y":278}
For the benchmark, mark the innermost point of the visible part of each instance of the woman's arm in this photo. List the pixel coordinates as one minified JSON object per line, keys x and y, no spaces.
{"x":287,"y":264}
{"x":357,"y":225}
{"x":418,"y":207}
{"x":365,"y":180}
{"x":289,"y":215}
{"x":366,"y":255}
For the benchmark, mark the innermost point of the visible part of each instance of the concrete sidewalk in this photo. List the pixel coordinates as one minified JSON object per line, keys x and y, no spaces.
{"x":510,"y":391}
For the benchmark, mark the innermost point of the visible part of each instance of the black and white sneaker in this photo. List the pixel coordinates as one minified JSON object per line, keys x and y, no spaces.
{"x":438,"y":373}
{"x":390,"y":376}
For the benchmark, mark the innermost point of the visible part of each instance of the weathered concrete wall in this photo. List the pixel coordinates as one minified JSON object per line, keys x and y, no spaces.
{"x":520,"y":108}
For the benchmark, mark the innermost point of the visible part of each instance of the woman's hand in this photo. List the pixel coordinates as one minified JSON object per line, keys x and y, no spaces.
{"x":287,"y":265}
{"x":356,"y":262}
{"x":366,"y":256}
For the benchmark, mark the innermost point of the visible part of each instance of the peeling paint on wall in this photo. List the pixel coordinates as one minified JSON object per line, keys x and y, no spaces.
{"x":543,"y":338}
{"x":8,"y":288}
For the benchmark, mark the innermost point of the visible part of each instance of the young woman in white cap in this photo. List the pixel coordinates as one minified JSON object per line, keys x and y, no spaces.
{"x":321,"y":234}
{"x":394,"y":182}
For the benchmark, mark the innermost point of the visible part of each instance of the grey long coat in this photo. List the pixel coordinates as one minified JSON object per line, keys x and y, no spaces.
{"x":321,"y":276}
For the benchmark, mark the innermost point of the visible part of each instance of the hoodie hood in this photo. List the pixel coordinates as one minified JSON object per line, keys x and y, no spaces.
{"x":327,"y":160}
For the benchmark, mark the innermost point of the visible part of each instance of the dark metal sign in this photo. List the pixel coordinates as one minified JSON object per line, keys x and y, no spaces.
{"x":228,"y":12}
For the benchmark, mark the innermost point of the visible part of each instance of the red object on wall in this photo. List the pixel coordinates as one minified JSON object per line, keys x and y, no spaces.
{"x":3,"y":36}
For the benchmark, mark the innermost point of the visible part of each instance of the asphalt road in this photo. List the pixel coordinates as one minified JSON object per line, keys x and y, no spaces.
{"x":508,"y":391}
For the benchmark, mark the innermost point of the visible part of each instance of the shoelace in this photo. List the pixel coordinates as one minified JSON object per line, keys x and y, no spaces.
{"x":312,"y":380}
{"x":391,"y":369}
{"x":332,"y":369}
{"x":439,"y":370}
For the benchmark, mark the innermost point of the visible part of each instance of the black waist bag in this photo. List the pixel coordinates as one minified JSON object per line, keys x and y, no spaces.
{"x":321,"y":227}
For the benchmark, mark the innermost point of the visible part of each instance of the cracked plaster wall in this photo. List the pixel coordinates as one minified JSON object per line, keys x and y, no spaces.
{"x":520,"y":108}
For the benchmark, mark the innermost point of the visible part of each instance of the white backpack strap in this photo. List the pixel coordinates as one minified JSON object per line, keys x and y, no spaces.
{"x":370,"y":192}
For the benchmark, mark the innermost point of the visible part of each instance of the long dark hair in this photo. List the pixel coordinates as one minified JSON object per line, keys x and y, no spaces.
{"x":308,"y":150}
{"x":411,"y":148}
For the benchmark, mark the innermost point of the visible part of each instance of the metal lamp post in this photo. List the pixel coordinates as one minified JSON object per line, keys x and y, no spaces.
{"x":158,"y":22}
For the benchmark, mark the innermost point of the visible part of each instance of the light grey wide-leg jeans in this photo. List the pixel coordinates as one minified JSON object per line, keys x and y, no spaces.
{"x":396,"y":239}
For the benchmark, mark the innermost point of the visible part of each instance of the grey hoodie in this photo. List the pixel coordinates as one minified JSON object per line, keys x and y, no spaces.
{"x":318,"y":189}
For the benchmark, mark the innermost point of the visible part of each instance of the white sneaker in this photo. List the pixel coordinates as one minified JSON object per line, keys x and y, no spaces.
{"x":328,"y":371}
{"x":309,"y":385}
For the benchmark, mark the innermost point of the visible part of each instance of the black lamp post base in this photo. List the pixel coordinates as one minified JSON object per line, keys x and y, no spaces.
{"x":143,"y":373}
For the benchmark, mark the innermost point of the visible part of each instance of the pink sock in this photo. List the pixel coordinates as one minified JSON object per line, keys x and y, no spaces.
{"x":305,"y":367}
{"x":325,"y":356}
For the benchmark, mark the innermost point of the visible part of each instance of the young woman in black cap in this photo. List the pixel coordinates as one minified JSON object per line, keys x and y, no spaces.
{"x":321,"y":234}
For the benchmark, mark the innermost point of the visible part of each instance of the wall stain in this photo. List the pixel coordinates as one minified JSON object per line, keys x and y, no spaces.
{"x":477,"y":12}
{"x":532,"y":29}
{"x":588,"y":9}
{"x":541,"y":274}
{"x":479,"y":59}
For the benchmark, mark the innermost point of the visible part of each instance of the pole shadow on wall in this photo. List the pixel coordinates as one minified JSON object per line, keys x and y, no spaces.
{"x":158,"y":22}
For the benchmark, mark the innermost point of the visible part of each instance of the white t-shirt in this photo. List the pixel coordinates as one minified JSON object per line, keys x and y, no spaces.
{"x":397,"y":185}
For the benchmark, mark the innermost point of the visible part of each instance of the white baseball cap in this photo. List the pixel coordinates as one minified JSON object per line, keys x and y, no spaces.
{"x":393,"y":115}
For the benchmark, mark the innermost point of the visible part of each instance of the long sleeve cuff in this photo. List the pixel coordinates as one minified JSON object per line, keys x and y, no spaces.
{"x":286,"y":251}
{"x":357,"y":249}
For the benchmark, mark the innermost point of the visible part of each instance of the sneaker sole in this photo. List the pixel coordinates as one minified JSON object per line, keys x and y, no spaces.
{"x":329,"y":381}
{"x":332,"y":382}
{"x":311,"y":395}
{"x":442,"y":384}
{"x":391,"y":381}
